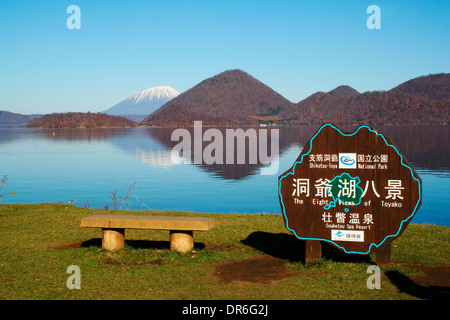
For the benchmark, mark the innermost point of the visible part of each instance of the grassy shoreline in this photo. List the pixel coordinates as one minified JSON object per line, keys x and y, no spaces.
{"x":246,"y":256}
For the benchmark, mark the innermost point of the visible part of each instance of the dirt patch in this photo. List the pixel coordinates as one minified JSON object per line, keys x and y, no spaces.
{"x":258,"y":269}
{"x":431,"y":282}
{"x":430,"y":275}
{"x":66,"y":246}
{"x":111,"y":262}
{"x":219,"y":247}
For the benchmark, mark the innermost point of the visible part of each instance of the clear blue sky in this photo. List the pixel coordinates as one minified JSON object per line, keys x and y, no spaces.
{"x":295,"y":47}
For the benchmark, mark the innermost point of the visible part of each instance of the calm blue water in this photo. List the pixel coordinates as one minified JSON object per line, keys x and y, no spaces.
{"x":86,"y":165}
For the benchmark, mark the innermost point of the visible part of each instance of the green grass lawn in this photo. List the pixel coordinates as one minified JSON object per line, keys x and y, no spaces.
{"x":243,"y":257}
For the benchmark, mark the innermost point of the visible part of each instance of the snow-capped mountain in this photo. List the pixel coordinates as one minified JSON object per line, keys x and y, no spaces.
{"x":144,"y":102}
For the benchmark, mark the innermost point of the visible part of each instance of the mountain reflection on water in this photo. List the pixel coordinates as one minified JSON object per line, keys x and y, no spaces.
{"x":425,"y":147}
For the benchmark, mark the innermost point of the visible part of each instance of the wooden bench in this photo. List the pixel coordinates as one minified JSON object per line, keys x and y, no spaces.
{"x":181,"y":228}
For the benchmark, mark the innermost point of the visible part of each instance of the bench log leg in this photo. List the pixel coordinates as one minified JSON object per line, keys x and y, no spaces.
{"x":113,"y":239}
{"x":182,"y":241}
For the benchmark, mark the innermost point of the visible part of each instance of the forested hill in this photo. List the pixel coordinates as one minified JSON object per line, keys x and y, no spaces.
{"x":236,"y":98}
{"x":80,"y":120}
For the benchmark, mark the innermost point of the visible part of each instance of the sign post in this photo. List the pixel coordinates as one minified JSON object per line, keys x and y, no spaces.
{"x":353,"y":190}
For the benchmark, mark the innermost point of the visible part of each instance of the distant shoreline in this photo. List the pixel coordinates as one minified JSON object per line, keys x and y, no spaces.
{"x":2,"y":126}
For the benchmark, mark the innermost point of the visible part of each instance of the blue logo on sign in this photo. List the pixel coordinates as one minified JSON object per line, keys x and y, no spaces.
{"x":339,"y":234}
{"x":347,"y":161}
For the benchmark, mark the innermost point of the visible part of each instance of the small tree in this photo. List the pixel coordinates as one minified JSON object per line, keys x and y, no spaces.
{"x":2,"y":184}
{"x":116,"y":199}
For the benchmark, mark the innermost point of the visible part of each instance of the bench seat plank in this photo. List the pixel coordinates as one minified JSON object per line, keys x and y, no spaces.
{"x":113,"y":221}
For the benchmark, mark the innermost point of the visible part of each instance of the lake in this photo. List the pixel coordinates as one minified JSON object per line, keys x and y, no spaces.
{"x":86,"y":167}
